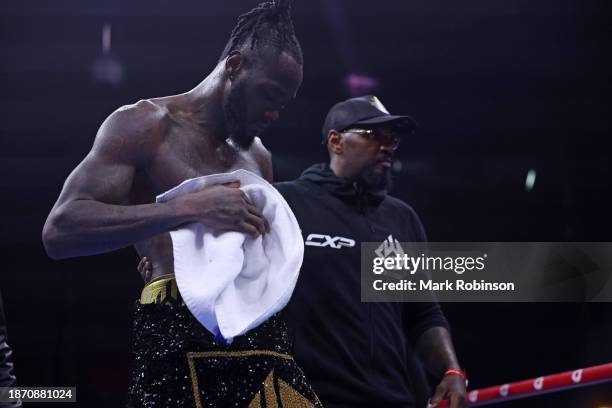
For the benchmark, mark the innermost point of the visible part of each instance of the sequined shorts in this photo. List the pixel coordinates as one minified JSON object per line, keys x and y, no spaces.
{"x":178,"y":363}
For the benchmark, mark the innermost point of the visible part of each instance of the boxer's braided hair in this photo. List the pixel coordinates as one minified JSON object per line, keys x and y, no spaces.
{"x":267,"y":24}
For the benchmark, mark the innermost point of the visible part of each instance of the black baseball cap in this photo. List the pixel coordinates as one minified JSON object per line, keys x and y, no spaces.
{"x":364,"y":110}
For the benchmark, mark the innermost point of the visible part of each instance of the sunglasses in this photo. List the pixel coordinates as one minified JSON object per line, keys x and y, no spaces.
{"x":380,"y":135}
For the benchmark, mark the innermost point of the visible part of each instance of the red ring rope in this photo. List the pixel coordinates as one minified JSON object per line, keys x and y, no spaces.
{"x":537,"y":386}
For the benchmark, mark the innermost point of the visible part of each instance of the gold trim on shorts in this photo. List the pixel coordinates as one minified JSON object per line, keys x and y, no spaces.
{"x":288,"y":396}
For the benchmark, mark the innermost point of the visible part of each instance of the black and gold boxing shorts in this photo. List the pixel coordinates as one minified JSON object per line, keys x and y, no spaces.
{"x":178,"y":363}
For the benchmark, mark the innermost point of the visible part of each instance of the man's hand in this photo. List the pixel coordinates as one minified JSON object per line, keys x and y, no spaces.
{"x":224,"y":207}
{"x":451,"y":388}
{"x":145,"y":269}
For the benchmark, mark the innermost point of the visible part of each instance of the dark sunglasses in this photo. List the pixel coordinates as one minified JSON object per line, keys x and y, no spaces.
{"x":380,"y":135}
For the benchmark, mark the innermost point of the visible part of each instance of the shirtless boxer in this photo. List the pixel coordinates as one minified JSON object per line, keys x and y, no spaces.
{"x":144,"y":149}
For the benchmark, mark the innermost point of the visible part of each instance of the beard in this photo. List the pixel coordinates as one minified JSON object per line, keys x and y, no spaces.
{"x":376,"y":181}
{"x":235,"y":112}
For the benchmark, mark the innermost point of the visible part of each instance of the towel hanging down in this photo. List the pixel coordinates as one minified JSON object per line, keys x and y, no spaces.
{"x":230,"y":281}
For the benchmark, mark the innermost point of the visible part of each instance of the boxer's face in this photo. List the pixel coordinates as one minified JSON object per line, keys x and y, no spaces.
{"x":258,"y":92}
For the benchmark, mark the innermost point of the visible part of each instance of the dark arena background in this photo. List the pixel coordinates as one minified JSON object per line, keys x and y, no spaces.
{"x":514,"y":103}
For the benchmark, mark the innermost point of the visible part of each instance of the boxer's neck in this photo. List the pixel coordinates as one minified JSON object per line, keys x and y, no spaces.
{"x":206,"y":104}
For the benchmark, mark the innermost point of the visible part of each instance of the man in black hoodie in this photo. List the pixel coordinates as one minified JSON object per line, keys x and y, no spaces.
{"x":361,"y":354}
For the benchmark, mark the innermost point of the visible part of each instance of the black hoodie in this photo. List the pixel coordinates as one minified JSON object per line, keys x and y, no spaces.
{"x":353,"y":353}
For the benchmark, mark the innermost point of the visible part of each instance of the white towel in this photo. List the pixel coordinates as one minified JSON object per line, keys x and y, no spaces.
{"x":230,"y":281}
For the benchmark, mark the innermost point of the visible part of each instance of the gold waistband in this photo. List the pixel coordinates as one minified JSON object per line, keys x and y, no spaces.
{"x":161,"y":290}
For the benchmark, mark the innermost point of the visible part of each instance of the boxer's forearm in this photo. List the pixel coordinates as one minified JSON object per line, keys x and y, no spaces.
{"x":87,"y":227}
{"x":435,"y":348}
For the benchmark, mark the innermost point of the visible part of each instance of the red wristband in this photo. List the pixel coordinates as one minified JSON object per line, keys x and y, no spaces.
{"x":460,"y":373}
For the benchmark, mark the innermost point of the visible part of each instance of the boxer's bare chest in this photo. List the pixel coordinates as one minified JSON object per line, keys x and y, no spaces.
{"x":177,"y":155}
{"x":180,"y":154}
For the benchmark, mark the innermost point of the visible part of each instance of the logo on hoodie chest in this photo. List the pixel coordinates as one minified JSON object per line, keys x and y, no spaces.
{"x":322,"y":240}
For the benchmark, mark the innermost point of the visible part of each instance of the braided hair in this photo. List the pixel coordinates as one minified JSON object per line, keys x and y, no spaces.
{"x":268,"y":24}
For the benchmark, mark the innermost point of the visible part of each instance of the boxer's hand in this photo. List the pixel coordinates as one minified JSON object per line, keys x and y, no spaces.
{"x":145,"y":268}
{"x":452,"y":388}
{"x":224,"y":207}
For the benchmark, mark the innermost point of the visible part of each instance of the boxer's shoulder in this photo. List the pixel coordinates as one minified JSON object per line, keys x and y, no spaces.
{"x":263,"y":157}
{"x":258,"y":148}
{"x":130,"y":131}
{"x":141,"y":116}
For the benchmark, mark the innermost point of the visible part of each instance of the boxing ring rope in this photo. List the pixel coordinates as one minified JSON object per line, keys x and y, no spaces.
{"x":537,"y":386}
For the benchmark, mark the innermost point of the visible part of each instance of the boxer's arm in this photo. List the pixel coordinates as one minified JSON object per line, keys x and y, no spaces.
{"x":90,"y":216}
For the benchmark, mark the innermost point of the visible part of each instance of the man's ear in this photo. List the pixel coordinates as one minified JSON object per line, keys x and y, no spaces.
{"x":234,"y":64}
{"x":335,"y":142}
